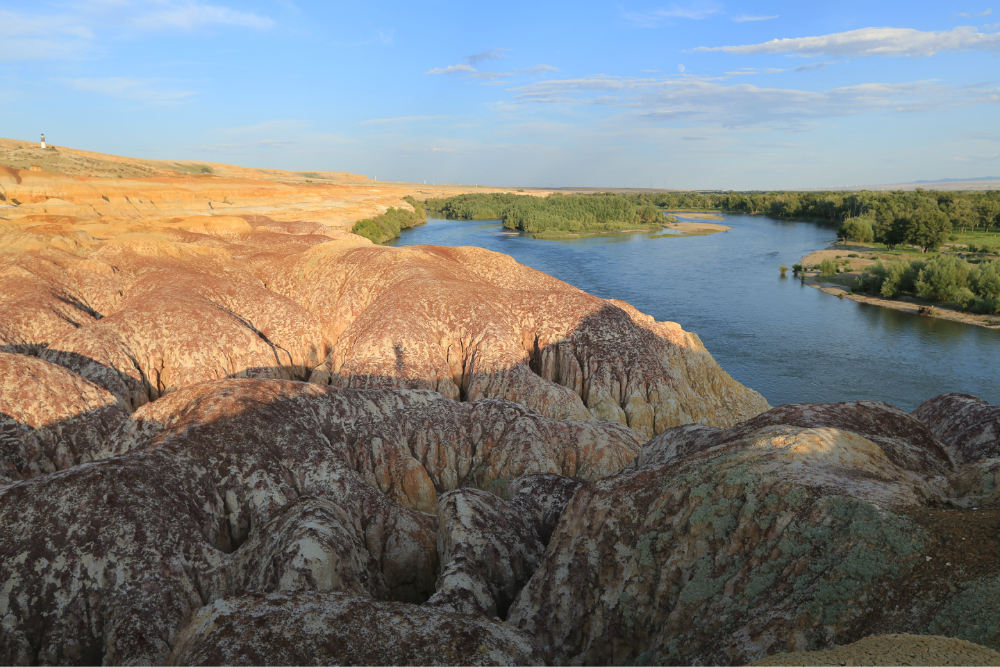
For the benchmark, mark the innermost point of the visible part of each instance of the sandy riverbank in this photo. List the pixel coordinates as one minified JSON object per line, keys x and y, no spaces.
{"x":695,"y":228}
{"x":837,"y":286}
{"x":700,"y":216}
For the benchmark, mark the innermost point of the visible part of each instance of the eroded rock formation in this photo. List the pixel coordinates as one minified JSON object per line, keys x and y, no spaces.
{"x":50,"y":418}
{"x":463,"y":477}
{"x":806,"y":527}
{"x":307,"y":628}
{"x":250,"y":485}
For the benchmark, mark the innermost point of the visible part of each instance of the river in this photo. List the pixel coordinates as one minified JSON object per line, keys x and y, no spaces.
{"x":790,"y":342}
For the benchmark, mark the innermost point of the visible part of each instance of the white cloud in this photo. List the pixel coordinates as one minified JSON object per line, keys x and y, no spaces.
{"x":873,"y":42}
{"x":980,"y":14}
{"x":42,"y":37}
{"x":656,"y":17}
{"x":143,"y":90}
{"x":453,"y":69}
{"x":691,"y":99}
{"x":192,"y":15}
{"x":742,"y":18}
{"x":78,"y":30}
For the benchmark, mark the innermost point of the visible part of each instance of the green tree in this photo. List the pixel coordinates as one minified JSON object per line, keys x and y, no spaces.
{"x":927,"y":228}
{"x":859,"y":229}
{"x":649,"y":214}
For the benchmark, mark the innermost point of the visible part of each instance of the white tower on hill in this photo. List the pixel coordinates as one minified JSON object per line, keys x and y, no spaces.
{"x":43,"y":141}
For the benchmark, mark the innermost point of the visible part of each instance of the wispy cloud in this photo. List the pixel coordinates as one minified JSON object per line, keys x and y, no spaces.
{"x":189,"y":15}
{"x":79,"y":27}
{"x":743,"y":18}
{"x":142,"y":90}
{"x":873,"y":42}
{"x":657,"y":17}
{"x":488,"y":54}
{"x":691,"y":99}
{"x":979,"y":15}
{"x":806,"y":68}
{"x":453,"y":69}
{"x":537,"y":69}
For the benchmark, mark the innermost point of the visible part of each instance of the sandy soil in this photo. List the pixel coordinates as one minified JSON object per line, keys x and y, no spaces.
{"x":74,"y":187}
{"x":697,"y":228}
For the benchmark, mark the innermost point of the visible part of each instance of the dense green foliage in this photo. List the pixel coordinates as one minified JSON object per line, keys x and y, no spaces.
{"x":385,"y":226}
{"x":965,"y":210}
{"x":944,"y":278}
{"x":594,"y":213}
{"x":923,"y":218}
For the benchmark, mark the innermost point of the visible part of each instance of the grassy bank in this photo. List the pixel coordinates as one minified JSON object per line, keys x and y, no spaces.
{"x":386,"y":226}
{"x":959,"y":281}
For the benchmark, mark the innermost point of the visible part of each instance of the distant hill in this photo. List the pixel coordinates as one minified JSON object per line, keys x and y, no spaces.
{"x":959,"y":180}
{"x":952,"y":184}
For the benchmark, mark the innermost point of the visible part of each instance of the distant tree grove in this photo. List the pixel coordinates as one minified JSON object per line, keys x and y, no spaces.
{"x":923,"y":218}
{"x":555,"y":213}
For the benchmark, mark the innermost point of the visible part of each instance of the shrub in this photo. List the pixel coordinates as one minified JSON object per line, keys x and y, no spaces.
{"x":946,"y":279}
{"x":797,"y":268}
{"x":783,"y":269}
{"x":385,"y":226}
{"x":827,"y":267}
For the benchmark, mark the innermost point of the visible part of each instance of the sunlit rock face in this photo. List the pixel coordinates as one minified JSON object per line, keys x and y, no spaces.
{"x":474,"y":324}
{"x":807,"y":527}
{"x":144,"y":306}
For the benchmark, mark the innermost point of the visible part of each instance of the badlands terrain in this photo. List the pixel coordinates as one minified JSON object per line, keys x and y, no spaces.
{"x":232,"y":432}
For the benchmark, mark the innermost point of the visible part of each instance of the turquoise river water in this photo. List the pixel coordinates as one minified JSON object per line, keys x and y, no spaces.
{"x":790,"y":342}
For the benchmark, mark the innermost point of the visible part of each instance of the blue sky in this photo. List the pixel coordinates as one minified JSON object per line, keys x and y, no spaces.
{"x":733,"y":95}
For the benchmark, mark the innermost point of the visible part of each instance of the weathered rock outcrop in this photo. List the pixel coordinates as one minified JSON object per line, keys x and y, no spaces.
{"x":497,"y":541}
{"x":150,"y":307}
{"x":50,"y":418}
{"x":806,"y":527}
{"x":474,"y":324}
{"x":335,"y":628}
{"x":489,"y":547}
{"x":970,"y":427}
{"x":253,"y":485}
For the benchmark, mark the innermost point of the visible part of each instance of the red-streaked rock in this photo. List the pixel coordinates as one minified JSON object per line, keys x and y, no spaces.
{"x":474,"y":324}
{"x":548,"y":494}
{"x":500,"y":540}
{"x":265,"y":485}
{"x":50,"y":418}
{"x":970,"y":427}
{"x":337,"y":628}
